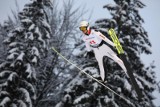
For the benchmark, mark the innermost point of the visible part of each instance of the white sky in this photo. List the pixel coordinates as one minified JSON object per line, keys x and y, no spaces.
{"x":150,"y":14}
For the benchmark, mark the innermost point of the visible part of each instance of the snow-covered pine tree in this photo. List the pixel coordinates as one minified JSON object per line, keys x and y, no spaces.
{"x":8,"y":25}
{"x":26,"y":45}
{"x":3,"y":34}
{"x":54,"y":71}
{"x":83,"y":92}
{"x":128,"y":25}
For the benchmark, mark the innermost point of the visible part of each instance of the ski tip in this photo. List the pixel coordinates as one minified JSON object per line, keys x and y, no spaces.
{"x":52,"y":48}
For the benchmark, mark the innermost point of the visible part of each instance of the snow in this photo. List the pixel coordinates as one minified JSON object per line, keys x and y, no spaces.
{"x":31,"y":71}
{"x":135,"y":29}
{"x":40,"y":37}
{"x":60,"y":105}
{"x":55,"y":70}
{"x":111,"y":6}
{"x":99,"y":103}
{"x":31,"y":88}
{"x":21,"y":103}
{"x":4,"y":93}
{"x":3,"y":73}
{"x":10,"y":35}
{"x":4,"y":101}
{"x":123,"y":12}
{"x":135,"y":52}
{"x":13,"y":50}
{"x":127,"y":85}
{"x":95,"y":86}
{"x":119,"y":89}
{"x":26,"y":21}
{"x":140,"y":85}
{"x":30,"y":35}
{"x":106,"y":99}
{"x":20,"y":57}
{"x":19,"y":29}
{"x":37,"y":31}
{"x":115,"y":104}
{"x":93,"y":70}
{"x":67,"y":97}
{"x":123,"y":18}
{"x":45,"y":24}
{"x":31,"y":27}
{"x":12,"y":76}
{"x":12,"y":56}
{"x":14,"y":105}
{"x":77,"y":52}
{"x":48,"y":35}
{"x":28,"y":68}
{"x":77,"y":100}
{"x":34,"y":51}
{"x":13,"y":44}
{"x":26,"y":96}
{"x":146,"y":83}
{"x":4,"y":84}
{"x":68,"y":90}
{"x":149,"y":73}
{"x":128,"y":37}
{"x":6,"y":40}
{"x":72,"y":67}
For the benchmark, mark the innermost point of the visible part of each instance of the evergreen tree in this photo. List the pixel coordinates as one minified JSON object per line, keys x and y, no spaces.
{"x":83,"y":92}
{"x":27,"y":44}
{"x":3,"y":34}
{"x":54,"y":71}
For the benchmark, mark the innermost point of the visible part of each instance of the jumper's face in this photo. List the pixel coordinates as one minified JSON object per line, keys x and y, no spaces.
{"x":83,"y":29}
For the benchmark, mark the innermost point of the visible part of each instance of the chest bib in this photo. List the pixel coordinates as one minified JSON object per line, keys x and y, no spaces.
{"x":93,"y":39}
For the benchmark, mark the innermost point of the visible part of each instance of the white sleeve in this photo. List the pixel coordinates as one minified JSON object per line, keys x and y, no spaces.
{"x":88,"y":47}
{"x":105,"y":39}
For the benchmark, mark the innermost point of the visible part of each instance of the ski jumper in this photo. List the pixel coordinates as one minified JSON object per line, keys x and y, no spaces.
{"x":95,"y":41}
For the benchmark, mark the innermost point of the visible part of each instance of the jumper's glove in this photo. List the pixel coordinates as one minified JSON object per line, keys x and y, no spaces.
{"x":89,"y":54}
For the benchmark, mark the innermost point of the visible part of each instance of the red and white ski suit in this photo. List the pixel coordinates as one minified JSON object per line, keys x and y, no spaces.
{"x":92,"y":42}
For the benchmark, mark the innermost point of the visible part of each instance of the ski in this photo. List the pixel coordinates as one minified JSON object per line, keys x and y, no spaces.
{"x":88,"y":74}
{"x":120,"y":50}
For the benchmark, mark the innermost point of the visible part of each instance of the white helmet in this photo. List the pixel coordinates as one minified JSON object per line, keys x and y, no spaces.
{"x":84,"y":24}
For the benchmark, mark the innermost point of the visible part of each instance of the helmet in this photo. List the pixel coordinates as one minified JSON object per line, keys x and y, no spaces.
{"x":84,"y":24}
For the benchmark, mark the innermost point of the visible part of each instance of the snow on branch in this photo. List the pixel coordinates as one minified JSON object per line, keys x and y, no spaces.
{"x":4,"y":102}
{"x":14,"y":44}
{"x":4,"y":93}
{"x":5,"y":72}
{"x":30,"y":71}
{"x":30,"y":88}
{"x":80,"y":98}
{"x":13,"y":50}
{"x":25,"y":96}
{"x":35,"y":51}
{"x":12,"y":76}
{"x":46,"y":25}
{"x":111,"y":7}
{"x":21,"y":103}
{"x":127,"y":85}
{"x":27,"y":21}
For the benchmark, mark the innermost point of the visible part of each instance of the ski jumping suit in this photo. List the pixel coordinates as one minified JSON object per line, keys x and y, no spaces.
{"x":94,"y":41}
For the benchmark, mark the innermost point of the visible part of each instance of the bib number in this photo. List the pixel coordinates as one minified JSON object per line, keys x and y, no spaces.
{"x":92,"y":42}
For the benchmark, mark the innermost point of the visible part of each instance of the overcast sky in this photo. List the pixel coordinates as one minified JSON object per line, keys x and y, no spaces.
{"x":150,"y":14}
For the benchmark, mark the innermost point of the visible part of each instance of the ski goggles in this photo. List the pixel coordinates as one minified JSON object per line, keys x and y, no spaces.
{"x":83,"y":28}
